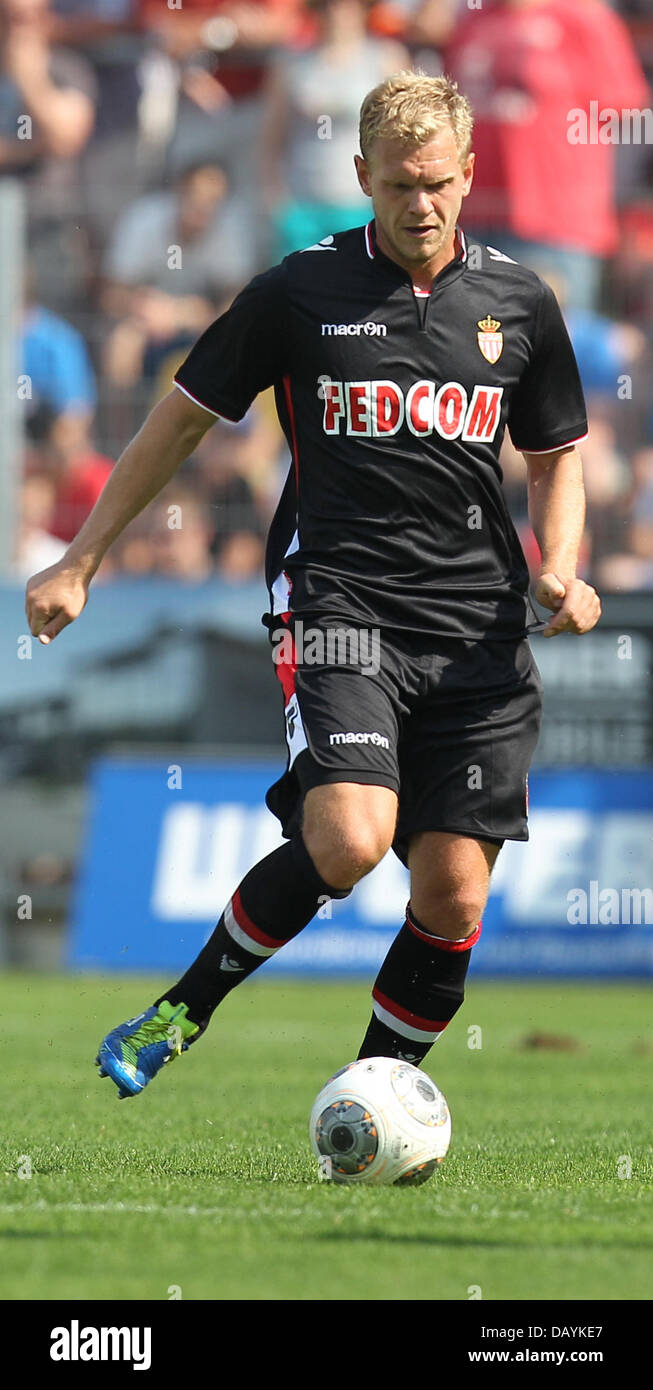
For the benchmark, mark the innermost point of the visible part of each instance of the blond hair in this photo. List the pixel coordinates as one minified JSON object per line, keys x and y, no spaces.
{"x":412,"y":107}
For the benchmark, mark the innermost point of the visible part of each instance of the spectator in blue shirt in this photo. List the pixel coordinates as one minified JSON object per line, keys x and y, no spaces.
{"x":55,"y":359}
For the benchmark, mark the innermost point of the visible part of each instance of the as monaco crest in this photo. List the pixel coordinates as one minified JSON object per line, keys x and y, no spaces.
{"x":490,"y":340}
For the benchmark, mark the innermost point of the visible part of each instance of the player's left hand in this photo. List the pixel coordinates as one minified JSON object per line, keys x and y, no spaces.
{"x":576,"y":605}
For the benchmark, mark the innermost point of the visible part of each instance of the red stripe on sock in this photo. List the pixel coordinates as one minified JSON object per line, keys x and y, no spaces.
{"x":247,"y":925}
{"x":427,"y":1024}
{"x":439,"y":941}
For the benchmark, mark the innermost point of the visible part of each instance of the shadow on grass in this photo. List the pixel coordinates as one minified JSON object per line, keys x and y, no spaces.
{"x":476,"y":1242}
{"x":10,"y":1233}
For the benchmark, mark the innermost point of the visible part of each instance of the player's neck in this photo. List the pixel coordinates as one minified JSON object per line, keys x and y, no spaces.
{"x":422,"y":276}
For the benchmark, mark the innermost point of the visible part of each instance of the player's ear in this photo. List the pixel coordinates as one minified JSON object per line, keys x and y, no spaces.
{"x":468,"y":173}
{"x":363,"y":174}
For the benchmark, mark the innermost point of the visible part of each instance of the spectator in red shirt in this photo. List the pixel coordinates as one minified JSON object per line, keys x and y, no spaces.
{"x":527,"y":66}
{"x":78,"y":471}
{"x":78,"y":489}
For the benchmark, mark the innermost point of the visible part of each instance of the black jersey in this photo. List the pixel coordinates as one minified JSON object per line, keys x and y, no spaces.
{"x":394,"y":404}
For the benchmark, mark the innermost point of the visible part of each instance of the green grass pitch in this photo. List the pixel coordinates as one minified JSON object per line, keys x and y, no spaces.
{"x":206,"y":1183}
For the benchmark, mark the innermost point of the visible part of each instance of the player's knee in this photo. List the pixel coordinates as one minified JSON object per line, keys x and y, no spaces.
{"x":454,"y":914}
{"x":343,"y":854}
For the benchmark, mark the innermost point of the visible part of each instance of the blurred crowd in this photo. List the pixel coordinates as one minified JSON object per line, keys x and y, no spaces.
{"x":169,"y":149}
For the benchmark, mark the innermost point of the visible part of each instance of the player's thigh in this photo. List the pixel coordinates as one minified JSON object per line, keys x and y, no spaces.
{"x":449,"y":880}
{"x":350,"y":821}
{"x":342,"y":723}
{"x":464,"y":761}
{"x":348,"y":772}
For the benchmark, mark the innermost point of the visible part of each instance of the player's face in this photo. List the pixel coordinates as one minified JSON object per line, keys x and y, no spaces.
{"x":417,"y":195}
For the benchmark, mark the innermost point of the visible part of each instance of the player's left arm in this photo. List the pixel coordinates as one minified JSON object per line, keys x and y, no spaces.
{"x":556,"y":507}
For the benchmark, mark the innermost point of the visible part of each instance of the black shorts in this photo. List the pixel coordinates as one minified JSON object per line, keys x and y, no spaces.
{"x":448,"y":723}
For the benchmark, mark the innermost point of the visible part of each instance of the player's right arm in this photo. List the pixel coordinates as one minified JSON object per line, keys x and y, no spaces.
{"x":171,"y":432}
{"x":244,"y":351}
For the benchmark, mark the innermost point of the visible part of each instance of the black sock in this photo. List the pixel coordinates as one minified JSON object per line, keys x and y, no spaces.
{"x":419,"y":988}
{"x":274,"y":902}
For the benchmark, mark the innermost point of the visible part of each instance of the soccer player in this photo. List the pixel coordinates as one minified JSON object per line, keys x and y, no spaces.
{"x":399,"y":352}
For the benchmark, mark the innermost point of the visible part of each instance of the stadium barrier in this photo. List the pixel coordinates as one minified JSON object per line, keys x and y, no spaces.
{"x":166,"y":846}
{"x":157,"y":661}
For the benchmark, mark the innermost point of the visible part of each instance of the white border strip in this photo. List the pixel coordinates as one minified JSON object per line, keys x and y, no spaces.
{"x":558,"y":448}
{"x":196,"y":402}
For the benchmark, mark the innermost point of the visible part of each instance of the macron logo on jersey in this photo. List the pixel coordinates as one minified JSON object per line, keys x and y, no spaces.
{"x":354,"y":330}
{"x":378,"y":408}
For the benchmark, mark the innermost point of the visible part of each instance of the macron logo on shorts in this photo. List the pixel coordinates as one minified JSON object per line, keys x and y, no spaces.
{"x":379,"y":740}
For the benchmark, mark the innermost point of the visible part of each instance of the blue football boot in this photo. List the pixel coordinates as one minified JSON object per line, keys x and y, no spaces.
{"x":133,"y":1053}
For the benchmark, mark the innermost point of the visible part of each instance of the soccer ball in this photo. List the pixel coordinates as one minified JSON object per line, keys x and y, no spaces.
{"x":379,"y":1120}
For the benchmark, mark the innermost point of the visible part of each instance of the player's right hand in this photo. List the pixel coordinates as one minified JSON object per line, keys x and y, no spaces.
{"x":54,"y":598}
